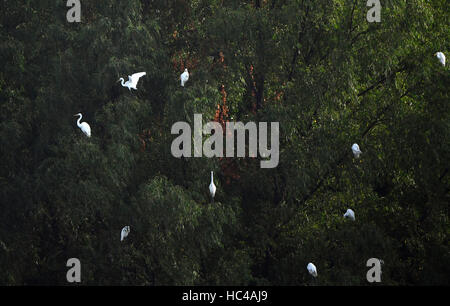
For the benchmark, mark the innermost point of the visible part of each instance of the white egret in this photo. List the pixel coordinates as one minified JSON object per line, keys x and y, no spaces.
{"x":356,"y":150}
{"x":441,"y":57}
{"x":312,"y":269}
{"x":85,"y":128}
{"x":350,"y":214}
{"x":132,"y":80}
{"x":184,"y":77}
{"x":124,"y":233}
{"x":212,"y":187}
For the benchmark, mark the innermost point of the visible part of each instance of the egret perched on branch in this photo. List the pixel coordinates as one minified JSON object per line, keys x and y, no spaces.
{"x":212,"y":187}
{"x":350,"y":214}
{"x":312,"y":269}
{"x":124,"y":233}
{"x":132,"y":80}
{"x":441,"y":57}
{"x":85,"y":128}
{"x":356,"y":150}
{"x":184,"y":77}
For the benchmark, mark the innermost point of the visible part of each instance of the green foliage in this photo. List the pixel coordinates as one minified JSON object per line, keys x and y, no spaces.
{"x":318,"y":67}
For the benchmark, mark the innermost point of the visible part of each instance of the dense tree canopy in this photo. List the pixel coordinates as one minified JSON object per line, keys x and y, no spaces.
{"x":319,"y":68}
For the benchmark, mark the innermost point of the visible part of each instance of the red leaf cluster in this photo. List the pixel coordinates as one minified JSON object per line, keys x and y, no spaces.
{"x":181,"y":62}
{"x":253,"y":89}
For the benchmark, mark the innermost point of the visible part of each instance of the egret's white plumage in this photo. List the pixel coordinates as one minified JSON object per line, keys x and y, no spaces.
{"x":132,"y":80}
{"x":85,"y":128}
{"x":212,"y":187}
{"x":312,"y":269}
{"x":350,"y":214}
{"x":356,"y":150}
{"x":124,"y":233}
{"x":441,"y":57}
{"x":184,"y":77}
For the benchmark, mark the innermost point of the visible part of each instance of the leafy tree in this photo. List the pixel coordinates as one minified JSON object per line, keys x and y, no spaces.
{"x":319,"y":68}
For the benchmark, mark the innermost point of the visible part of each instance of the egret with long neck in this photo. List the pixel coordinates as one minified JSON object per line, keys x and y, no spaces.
{"x":127,"y":84}
{"x":132,"y":80}
{"x":84,"y":126}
